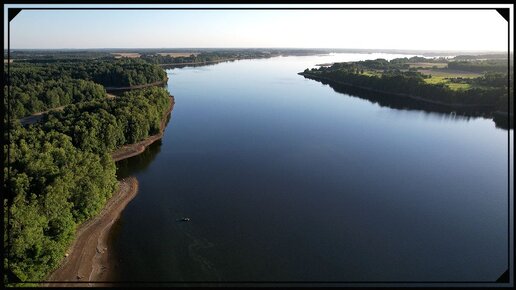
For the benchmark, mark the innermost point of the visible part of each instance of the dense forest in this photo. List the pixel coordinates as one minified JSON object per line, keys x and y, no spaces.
{"x":205,"y":57}
{"x":397,"y":77}
{"x":201,"y":56}
{"x":109,"y":73}
{"x":40,"y":86}
{"x":41,"y":96}
{"x":104,"y":125}
{"x":480,"y":66}
{"x":61,"y":174}
{"x":52,"y":187}
{"x":60,"y":170}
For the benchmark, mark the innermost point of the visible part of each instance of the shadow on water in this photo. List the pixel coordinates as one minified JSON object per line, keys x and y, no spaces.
{"x":402,"y":103}
{"x":140,"y":162}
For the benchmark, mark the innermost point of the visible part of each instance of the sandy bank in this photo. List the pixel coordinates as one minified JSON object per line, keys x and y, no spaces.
{"x":87,"y":257}
{"x":137,"y":148}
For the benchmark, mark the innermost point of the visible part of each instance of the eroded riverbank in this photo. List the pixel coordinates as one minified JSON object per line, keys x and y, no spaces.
{"x":88,"y":258}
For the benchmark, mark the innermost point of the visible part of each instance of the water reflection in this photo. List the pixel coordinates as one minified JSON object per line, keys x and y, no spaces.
{"x":138,"y":163}
{"x":282,"y":187}
{"x":401,"y":103}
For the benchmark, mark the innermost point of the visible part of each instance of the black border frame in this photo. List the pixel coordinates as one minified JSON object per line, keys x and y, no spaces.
{"x":260,"y":283}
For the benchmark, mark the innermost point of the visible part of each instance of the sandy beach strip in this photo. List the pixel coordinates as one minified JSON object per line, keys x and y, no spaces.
{"x":87,"y":258}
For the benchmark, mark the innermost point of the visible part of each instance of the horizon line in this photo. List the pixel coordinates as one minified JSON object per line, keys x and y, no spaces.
{"x":300,"y":48}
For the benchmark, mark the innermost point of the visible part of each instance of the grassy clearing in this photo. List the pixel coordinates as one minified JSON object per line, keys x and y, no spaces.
{"x":440,"y":76}
{"x":371,"y":73}
{"x":429,"y":65}
{"x":445,"y":73}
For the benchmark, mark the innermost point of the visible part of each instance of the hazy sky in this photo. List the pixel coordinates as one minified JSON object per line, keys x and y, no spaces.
{"x":389,"y":29}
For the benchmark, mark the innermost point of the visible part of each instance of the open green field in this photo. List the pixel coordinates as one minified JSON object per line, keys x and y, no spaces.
{"x":429,"y":65}
{"x":439,"y":76}
{"x":442,"y":77}
{"x":371,"y":73}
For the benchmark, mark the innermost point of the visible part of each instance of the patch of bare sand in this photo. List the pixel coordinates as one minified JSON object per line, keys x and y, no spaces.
{"x":87,"y":258}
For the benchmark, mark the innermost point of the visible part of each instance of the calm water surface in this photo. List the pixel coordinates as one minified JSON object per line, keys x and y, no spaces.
{"x":285,"y":179}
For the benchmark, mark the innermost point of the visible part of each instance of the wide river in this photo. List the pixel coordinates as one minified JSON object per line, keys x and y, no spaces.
{"x":285,"y":179}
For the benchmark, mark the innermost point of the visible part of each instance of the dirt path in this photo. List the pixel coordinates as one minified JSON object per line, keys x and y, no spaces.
{"x":88,"y":258}
{"x":137,"y":148}
{"x":36,"y":117}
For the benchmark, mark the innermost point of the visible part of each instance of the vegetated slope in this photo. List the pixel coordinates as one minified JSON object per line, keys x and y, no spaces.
{"x":61,"y":174}
{"x":38,"y":85}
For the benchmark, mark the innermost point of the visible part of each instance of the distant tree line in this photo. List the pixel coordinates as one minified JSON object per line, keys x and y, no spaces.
{"x":109,"y":73}
{"x":480,"y":66}
{"x":489,"y":90}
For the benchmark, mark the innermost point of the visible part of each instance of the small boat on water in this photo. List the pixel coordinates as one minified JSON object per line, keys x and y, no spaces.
{"x":183,"y":219}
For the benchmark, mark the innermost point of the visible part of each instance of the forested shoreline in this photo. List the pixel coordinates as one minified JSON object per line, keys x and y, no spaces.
{"x":485,"y":91}
{"x":39,"y":86}
{"x":60,"y":172}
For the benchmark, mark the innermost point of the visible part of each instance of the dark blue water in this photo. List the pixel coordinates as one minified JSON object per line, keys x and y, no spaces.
{"x":285,"y":179}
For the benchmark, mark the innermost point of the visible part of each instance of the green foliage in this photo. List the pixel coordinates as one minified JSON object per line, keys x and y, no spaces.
{"x":104,"y":125}
{"x":35,"y":97}
{"x":480,"y":66}
{"x":109,"y":73}
{"x":61,"y":171}
{"x":488,"y":90}
{"x":38,"y":86}
{"x":54,"y":187}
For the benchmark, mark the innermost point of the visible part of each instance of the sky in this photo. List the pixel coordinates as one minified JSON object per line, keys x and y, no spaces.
{"x":372,"y":29}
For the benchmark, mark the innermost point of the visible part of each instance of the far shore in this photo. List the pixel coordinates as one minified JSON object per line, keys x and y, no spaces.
{"x":196,"y":63}
{"x":450,"y":105}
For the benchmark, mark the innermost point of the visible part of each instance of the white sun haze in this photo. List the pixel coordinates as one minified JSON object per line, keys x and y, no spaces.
{"x":372,"y":29}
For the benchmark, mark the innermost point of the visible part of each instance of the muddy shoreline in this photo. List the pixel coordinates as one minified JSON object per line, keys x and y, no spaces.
{"x":88,"y":258}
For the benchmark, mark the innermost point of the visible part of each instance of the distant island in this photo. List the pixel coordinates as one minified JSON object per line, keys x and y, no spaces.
{"x":467,"y":83}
